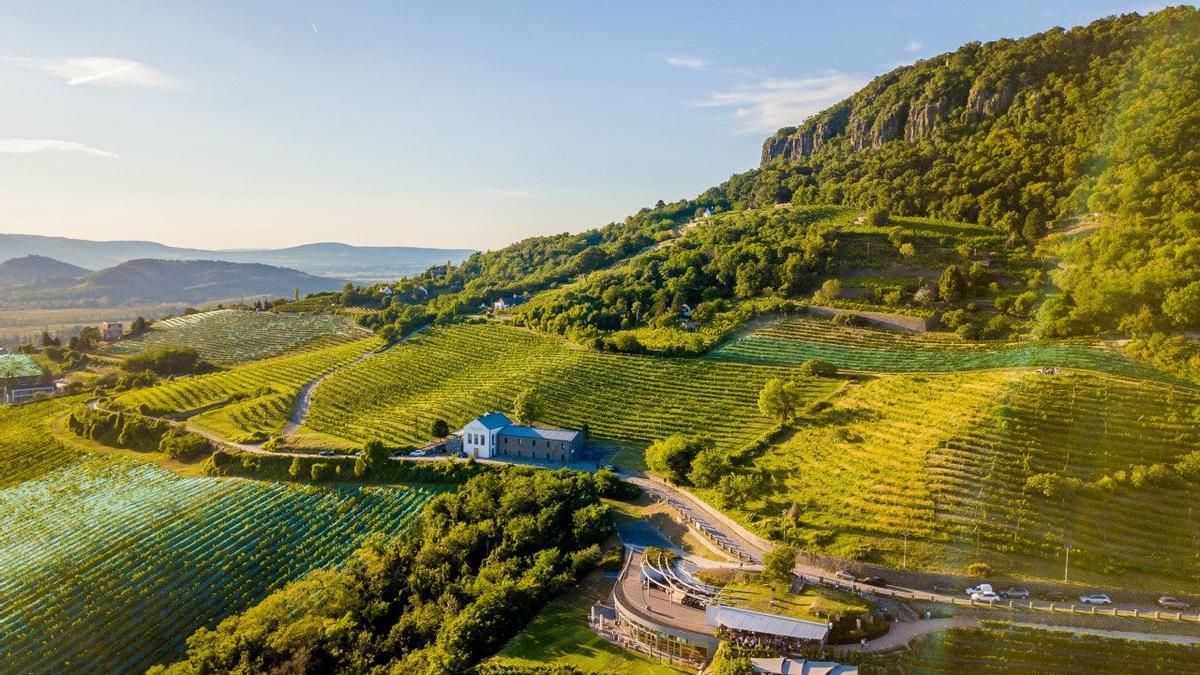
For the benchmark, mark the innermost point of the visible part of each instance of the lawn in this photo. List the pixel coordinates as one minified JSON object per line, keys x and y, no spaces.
{"x":815,"y":603}
{"x":560,"y":636}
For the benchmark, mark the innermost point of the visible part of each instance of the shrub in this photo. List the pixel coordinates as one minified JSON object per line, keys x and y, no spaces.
{"x":979,"y":569}
{"x":322,"y":471}
{"x":672,"y":457}
{"x":182,"y":445}
{"x":164,"y":361}
{"x":818,"y":368}
{"x":849,"y":319}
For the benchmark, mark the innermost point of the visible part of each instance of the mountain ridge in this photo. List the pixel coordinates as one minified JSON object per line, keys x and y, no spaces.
{"x":359,"y":263}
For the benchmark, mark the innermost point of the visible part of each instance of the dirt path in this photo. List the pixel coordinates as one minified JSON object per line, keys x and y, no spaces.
{"x":304,"y":397}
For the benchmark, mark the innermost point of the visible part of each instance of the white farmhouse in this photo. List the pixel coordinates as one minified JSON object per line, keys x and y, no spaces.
{"x":493,"y":435}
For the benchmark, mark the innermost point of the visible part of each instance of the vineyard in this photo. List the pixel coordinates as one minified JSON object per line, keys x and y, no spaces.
{"x":230,"y":336}
{"x":796,"y":340}
{"x":458,"y":372}
{"x":1003,"y":648}
{"x":108,"y":565}
{"x":949,"y":459}
{"x":262,"y":383}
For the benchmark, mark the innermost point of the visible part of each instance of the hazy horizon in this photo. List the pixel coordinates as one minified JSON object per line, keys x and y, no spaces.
{"x":473,"y":126}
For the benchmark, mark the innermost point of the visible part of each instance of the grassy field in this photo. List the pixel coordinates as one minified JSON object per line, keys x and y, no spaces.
{"x":230,"y":336}
{"x":108,"y":565}
{"x":792,"y":341}
{"x":1004,"y":648}
{"x":254,"y":390}
{"x":948,"y":458}
{"x":457,"y":372}
{"x":560,"y":636}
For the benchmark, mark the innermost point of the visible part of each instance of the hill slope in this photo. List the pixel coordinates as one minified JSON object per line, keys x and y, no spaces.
{"x":193,"y":281}
{"x":34,"y":268}
{"x":340,"y":260}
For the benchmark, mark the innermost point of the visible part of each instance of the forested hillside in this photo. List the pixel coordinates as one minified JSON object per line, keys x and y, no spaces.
{"x":1015,"y":134}
{"x":1088,"y":134}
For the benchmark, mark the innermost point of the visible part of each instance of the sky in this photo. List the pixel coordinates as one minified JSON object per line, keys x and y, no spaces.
{"x":456,"y":124}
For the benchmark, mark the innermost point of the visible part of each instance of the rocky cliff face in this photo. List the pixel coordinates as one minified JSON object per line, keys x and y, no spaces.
{"x":884,"y":111}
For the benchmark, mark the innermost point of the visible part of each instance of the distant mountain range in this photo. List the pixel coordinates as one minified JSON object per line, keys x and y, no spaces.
{"x":35,"y":268}
{"x":45,"y":283}
{"x":356,"y":263}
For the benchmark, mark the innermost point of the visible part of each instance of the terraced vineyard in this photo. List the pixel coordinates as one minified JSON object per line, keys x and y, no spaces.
{"x":1001,"y":648}
{"x":457,"y":372}
{"x":230,"y":336}
{"x":796,"y":340}
{"x":279,"y":376}
{"x":948,"y":458}
{"x":108,"y":565}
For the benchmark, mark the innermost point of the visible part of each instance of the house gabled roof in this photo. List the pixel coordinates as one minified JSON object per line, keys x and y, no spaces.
{"x":521,"y":431}
{"x":493,"y":420}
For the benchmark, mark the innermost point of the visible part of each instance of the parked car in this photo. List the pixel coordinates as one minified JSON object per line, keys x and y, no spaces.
{"x":1095,"y":599}
{"x":462,"y":454}
{"x":874,"y":581}
{"x":1054,"y":596}
{"x":417,"y":453}
{"x":845,"y":575}
{"x":1167,"y":602}
{"x":985,"y":597}
{"x":1017,"y":593}
{"x":609,"y":467}
{"x":397,"y":453}
{"x":327,"y":453}
{"x":981,"y":588}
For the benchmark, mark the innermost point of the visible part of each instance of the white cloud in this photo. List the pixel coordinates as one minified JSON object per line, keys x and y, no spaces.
{"x":772,"y":103}
{"x":24,"y":146}
{"x":913,"y":46}
{"x":512,"y":194}
{"x":108,"y":72}
{"x":684,"y":61}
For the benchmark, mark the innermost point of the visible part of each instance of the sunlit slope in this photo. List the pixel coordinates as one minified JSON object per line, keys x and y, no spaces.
{"x":457,"y":372}
{"x":796,"y":340}
{"x":282,"y":375}
{"x":108,"y":565}
{"x":991,"y":466}
{"x":230,"y":336}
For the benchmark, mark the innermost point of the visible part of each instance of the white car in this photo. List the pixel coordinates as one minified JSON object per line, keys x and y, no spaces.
{"x":981,"y":588}
{"x":985,"y":597}
{"x":417,"y":453}
{"x":1095,"y":599}
{"x":845,"y":575}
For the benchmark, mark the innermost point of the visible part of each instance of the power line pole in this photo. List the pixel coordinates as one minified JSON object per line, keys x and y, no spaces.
{"x":1066,"y":559}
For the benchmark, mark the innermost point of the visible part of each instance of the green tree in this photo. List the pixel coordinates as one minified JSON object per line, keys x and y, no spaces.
{"x":296,"y":469}
{"x":525,"y":407}
{"x":879,"y":217}
{"x":952,"y":285}
{"x":727,"y":661}
{"x":440,"y":428}
{"x":779,"y":562}
{"x":1182,"y":306}
{"x":672,"y":456}
{"x":778,"y":399}
{"x":708,"y":467}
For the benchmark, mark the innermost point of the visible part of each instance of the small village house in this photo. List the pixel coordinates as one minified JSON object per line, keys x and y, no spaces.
{"x":111,"y":331}
{"x":495,"y":436}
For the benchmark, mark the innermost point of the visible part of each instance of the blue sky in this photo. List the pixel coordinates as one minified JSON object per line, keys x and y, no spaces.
{"x":238,"y":124}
